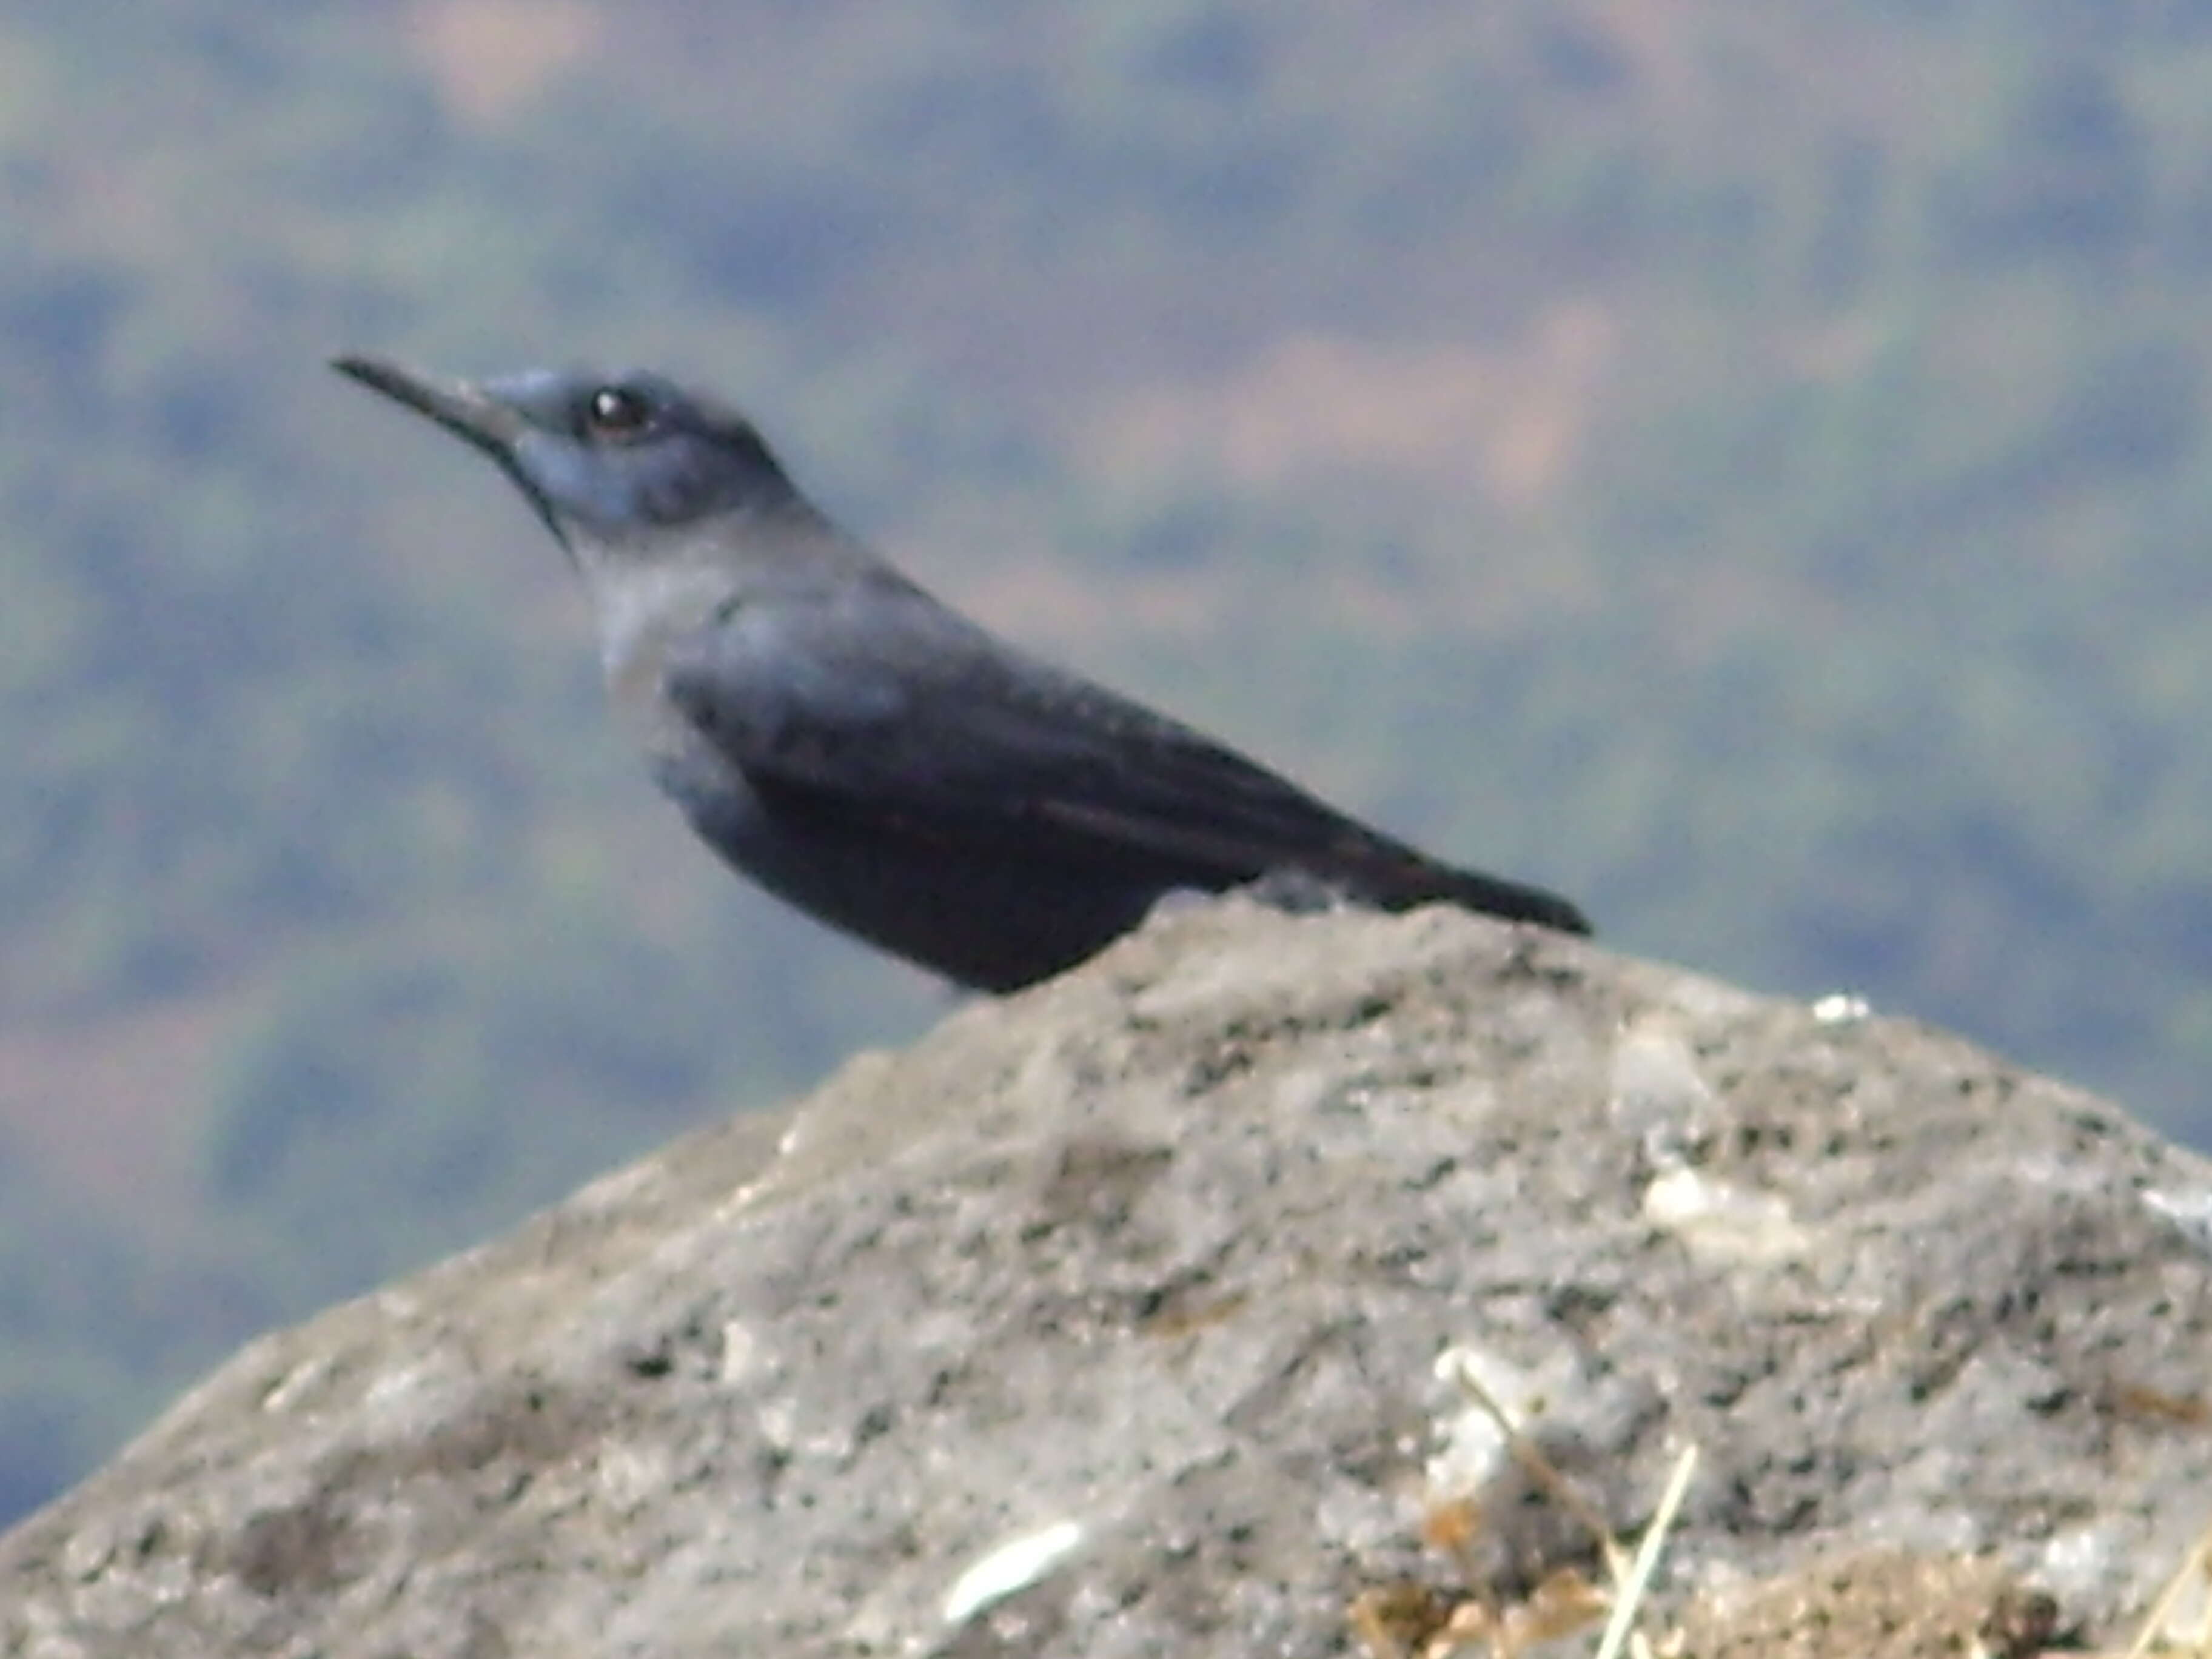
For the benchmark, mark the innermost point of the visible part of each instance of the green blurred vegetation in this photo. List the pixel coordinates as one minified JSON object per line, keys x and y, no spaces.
{"x":1745,"y":466}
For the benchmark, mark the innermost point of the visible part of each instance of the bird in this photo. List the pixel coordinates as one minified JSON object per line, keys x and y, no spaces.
{"x":864,"y":751}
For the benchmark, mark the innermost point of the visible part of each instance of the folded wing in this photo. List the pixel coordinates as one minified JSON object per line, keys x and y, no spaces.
{"x":913,"y":722}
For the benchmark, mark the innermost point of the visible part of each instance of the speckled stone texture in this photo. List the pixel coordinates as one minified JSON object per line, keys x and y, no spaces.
{"x":1128,"y":1316}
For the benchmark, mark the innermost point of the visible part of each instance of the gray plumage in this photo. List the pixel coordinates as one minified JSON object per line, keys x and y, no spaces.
{"x":859,"y":749}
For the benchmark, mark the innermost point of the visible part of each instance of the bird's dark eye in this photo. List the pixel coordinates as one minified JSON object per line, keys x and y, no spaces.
{"x":614,"y":412}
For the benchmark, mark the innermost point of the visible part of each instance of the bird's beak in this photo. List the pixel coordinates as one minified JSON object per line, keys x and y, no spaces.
{"x":461,"y":406}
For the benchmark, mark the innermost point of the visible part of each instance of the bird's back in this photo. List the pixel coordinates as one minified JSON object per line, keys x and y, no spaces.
{"x":873,"y":726}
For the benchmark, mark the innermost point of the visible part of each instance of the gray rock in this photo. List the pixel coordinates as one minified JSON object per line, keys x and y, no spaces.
{"x":1128,"y":1316}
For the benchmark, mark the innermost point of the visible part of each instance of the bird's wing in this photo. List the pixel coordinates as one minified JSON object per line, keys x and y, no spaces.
{"x":908,"y":717}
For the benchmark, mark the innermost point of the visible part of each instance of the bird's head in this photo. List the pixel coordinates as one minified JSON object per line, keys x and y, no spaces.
{"x":607,"y":460}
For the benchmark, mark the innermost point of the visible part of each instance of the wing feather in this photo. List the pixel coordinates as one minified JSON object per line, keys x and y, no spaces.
{"x":919,"y":719}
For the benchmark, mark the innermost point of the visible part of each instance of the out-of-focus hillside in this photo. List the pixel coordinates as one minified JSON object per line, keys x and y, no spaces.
{"x":1745,"y":466}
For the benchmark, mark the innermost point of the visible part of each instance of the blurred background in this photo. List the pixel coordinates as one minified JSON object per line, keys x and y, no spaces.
{"x":1746,"y":465}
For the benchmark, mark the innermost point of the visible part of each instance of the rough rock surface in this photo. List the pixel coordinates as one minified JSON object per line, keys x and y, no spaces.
{"x":1126,"y":1317}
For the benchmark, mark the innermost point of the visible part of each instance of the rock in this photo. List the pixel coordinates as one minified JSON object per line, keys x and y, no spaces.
{"x":1137,"y":1314}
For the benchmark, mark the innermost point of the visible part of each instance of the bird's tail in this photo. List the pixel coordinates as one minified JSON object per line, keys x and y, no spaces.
{"x":1411,"y":879}
{"x":1514,"y":902}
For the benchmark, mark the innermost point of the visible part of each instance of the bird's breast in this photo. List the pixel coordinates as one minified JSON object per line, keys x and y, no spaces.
{"x":642,"y":610}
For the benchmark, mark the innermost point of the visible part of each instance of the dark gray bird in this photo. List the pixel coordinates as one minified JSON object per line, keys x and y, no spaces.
{"x":855,"y":747}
